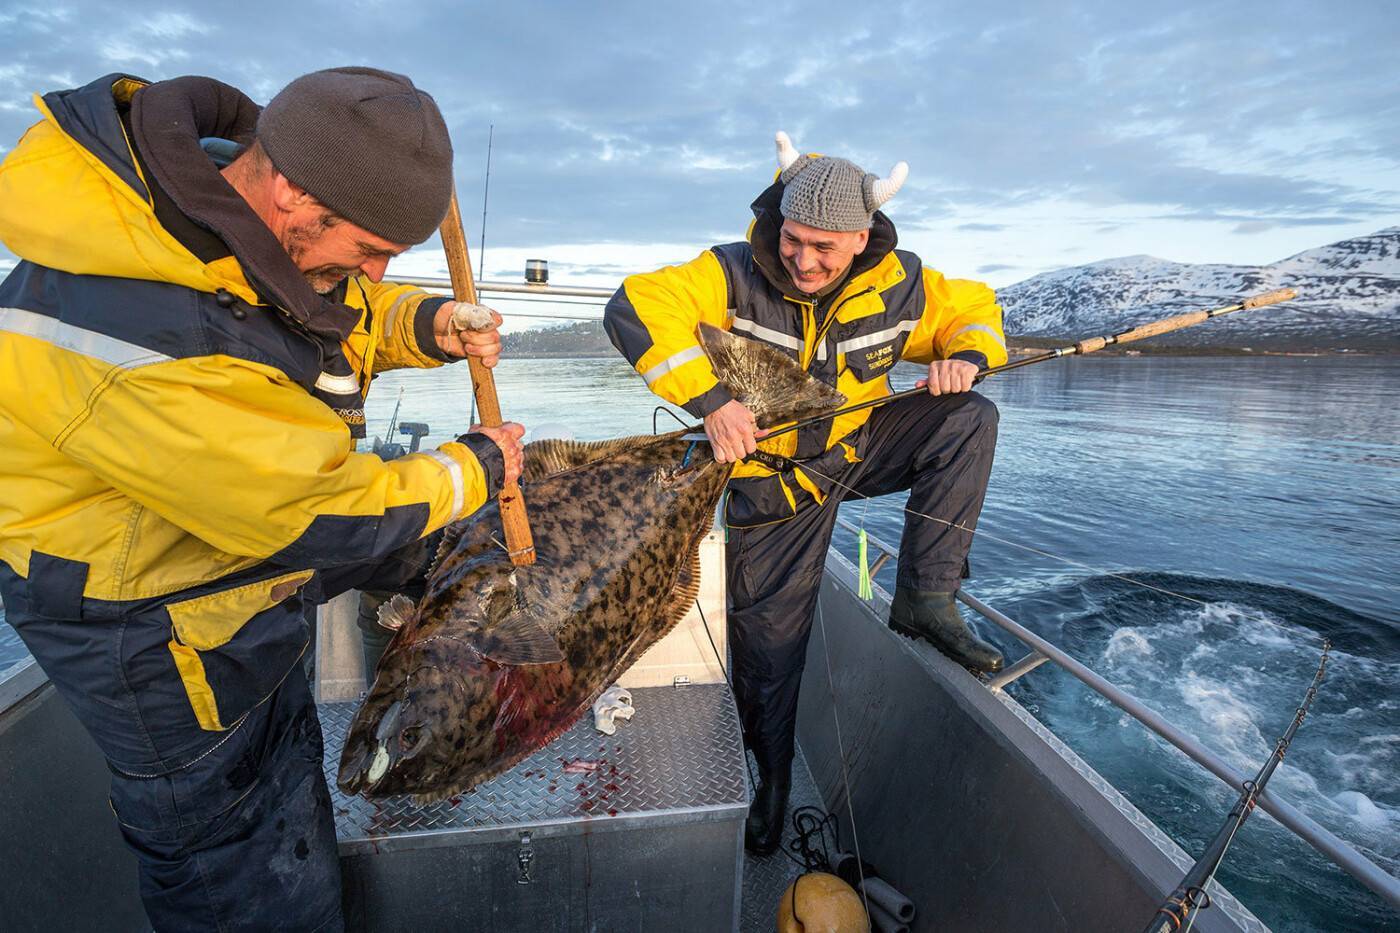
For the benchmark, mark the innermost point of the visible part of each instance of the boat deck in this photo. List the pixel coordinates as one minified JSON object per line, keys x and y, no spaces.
{"x":765,"y":879}
{"x":680,"y":756}
{"x":591,"y":830}
{"x":651,"y":773}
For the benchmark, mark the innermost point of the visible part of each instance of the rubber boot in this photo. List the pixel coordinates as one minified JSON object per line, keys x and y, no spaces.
{"x":763,"y":830}
{"x":934,"y":617}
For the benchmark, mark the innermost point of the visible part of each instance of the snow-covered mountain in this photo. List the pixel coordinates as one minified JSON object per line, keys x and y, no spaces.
{"x":1349,"y":297}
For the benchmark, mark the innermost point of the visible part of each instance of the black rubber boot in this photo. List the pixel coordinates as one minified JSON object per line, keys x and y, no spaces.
{"x":763,"y":830}
{"x":934,"y":617}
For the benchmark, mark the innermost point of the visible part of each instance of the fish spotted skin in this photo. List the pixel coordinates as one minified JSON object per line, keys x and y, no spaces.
{"x":455,"y":701}
{"x":497,"y":660}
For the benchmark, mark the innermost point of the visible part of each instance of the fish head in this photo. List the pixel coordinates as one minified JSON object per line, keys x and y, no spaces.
{"x":421,"y":720}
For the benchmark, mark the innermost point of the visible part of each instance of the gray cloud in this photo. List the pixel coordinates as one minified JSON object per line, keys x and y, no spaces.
{"x":646,"y":122}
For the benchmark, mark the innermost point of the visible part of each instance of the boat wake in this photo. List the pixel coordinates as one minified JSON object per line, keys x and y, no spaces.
{"x":1230,"y":666}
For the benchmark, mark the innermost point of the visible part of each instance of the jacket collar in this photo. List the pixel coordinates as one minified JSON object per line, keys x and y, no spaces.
{"x":169,"y":119}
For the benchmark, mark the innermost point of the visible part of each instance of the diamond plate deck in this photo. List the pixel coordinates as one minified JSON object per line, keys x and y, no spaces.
{"x":679,"y":760}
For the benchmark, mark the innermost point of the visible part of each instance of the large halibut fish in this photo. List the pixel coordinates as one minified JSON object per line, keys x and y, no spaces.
{"x":497,"y":660}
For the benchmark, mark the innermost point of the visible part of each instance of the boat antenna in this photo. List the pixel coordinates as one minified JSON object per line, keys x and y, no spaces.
{"x":394,"y":419}
{"x":485,"y":196}
{"x":1178,"y":911}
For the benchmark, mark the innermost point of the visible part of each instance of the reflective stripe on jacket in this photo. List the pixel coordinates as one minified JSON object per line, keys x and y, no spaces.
{"x":890,"y":308}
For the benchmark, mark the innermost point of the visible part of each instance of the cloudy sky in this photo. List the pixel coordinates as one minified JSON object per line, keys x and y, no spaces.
{"x":627,"y":135}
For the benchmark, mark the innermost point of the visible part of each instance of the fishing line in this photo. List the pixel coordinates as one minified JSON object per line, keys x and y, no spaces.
{"x":753,"y":782}
{"x":841,"y":751}
{"x":801,"y":842}
{"x":1034,"y":550}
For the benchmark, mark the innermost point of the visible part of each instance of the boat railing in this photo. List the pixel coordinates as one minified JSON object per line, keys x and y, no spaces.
{"x":1319,"y":837}
{"x":513,"y":288}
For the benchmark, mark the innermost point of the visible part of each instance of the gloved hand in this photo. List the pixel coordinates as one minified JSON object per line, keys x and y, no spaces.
{"x":464,"y":329}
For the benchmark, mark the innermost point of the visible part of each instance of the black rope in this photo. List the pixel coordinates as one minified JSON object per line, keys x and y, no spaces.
{"x":814,"y":823}
{"x":660,"y":408}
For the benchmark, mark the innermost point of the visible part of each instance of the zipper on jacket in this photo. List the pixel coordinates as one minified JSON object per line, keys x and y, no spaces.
{"x":831,"y":319}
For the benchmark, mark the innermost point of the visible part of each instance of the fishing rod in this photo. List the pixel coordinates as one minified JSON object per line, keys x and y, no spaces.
{"x":394,"y":419}
{"x":485,"y":195}
{"x":1090,"y":345}
{"x":1178,"y":911}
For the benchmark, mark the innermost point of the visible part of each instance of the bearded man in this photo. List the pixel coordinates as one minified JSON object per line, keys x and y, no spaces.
{"x":184,"y":352}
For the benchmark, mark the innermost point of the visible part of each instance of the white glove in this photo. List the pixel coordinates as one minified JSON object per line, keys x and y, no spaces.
{"x":467,"y":316}
{"x":614,"y":704}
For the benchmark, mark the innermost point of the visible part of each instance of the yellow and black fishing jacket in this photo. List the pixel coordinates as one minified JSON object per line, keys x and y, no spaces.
{"x":889,"y":308}
{"x":177,"y":404}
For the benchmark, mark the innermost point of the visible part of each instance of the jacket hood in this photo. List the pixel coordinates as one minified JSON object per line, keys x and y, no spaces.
{"x":73,"y":195}
{"x":768,"y":222}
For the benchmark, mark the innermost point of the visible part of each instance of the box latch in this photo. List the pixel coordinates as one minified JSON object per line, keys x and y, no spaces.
{"x":525,"y":859}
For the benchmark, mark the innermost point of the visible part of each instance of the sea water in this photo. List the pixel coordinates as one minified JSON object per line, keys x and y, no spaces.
{"x":1188,"y":527}
{"x":1267,"y":490}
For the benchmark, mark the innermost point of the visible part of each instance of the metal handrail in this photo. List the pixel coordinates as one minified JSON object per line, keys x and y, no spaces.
{"x":1318,"y":836}
{"x":510,"y":288}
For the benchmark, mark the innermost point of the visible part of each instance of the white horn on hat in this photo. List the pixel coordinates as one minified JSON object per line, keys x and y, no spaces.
{"x":786,"y":153}
{"x":884,"y":189}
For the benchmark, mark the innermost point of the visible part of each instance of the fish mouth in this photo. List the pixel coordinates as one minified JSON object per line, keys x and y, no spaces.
{"x":367,"y":770}
{"x":364,"y":768}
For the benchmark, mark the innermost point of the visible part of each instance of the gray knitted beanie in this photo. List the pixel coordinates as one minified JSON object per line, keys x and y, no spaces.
{"x":830,"y":193}
{"x":367,"y":144}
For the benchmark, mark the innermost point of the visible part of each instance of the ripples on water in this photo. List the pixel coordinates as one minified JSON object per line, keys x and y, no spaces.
{"x":1265,"y":487}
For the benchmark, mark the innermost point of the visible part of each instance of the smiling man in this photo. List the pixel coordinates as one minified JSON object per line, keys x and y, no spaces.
{"x":821,"y":280}
{"x":184,"y":352}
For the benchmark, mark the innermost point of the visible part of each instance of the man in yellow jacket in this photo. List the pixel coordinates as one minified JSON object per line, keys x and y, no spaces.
{"x":820,"y":279}
{"x":184,"y":352}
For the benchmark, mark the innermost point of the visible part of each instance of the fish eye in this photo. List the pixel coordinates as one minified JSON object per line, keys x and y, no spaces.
{"x":408,"y":738}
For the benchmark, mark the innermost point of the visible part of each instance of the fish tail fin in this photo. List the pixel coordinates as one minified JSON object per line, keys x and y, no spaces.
{"x":766,"y":380}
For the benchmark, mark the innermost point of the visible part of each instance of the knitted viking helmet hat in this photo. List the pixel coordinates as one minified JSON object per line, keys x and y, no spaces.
{"x":829,"y":193}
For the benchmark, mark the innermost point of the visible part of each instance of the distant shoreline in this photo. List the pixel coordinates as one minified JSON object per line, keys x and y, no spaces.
{"x":587,"y":340}
{"x":1022,"y":350}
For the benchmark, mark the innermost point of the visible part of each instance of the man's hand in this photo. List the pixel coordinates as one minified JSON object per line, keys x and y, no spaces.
{"x":731,"y":429}
{"x":507,"y":437}
{"x":463,"y":329}
{"x":946,"y":377}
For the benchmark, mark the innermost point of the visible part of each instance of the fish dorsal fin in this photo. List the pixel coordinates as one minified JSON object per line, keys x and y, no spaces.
{"x":765,"y":380}
{"x":551,"y":455}
{"x":520,"y":639}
